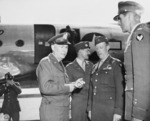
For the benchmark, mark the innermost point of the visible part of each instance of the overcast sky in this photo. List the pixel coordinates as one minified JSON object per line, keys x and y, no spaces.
{"x":77,"y":12}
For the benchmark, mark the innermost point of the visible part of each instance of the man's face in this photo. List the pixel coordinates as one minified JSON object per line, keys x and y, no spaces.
{"x":60,"y":51}
{"x":102,"y":50}
{"x":85,"y":53}
{"x":125,"y":22}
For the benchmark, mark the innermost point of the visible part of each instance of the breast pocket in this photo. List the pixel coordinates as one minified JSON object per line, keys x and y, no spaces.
{"x":60,"y":78}
{"x":106,"y":77}
{"x":78,"y":75}
{"x":109,"y":98}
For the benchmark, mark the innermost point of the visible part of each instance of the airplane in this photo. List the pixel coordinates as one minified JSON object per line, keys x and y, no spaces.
{"x":23,"y":46}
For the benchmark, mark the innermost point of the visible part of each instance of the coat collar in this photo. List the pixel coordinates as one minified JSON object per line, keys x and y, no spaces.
{"x":58,"y":65}
{"x":105,"y":63}
{"x":77,"y":66}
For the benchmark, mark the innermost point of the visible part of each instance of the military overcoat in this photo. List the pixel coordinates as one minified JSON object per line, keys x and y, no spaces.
{"x":107,"y":90}
{"x":79,"y":96}
{"x":52,"y":78}
{"x":137,"y":65}
{"x":10,"y":104}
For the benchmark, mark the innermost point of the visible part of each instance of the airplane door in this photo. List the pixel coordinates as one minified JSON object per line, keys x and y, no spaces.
{"x":41,"y":35}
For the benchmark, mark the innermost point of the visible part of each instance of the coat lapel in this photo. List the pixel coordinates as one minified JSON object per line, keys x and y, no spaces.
{"x":77,"y":66}
{"x":57,"y":64}
{"x":87,"y":66}
{"x":95,"y":67}
{"x":104,"y":64}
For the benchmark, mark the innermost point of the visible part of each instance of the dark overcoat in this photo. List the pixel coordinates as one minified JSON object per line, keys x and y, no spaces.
{"x":10,"y":104}
{"x":107,"y":90}
{"x":52,"y":78}
{"x":79,"y":96}
{"x":137,"y":65}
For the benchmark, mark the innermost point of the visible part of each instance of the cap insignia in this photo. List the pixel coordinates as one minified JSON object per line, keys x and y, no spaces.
{"x":65,"y":36}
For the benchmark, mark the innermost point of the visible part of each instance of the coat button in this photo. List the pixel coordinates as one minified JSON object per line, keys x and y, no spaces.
{"x":135,"y":101}
{"x":94,"y":93}
{"x":110,"y":98}
{"x":96,"y":80}
{"x":96,"y":73}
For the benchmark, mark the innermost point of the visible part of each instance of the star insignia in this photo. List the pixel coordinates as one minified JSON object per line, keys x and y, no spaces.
{"x":139,"y":37}
{"x":86,"y":45}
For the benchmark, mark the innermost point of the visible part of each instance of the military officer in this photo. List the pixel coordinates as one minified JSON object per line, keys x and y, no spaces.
{"x":106,"y":96}
{"x":136,"y":60}
{"x":80,"y":68}
{"x":10,"y":106}
{"x":54,"y":82}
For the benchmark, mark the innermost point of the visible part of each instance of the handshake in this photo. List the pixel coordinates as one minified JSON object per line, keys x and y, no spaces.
{"x":79,"y":83}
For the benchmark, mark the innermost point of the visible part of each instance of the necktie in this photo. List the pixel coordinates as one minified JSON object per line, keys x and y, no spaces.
{"x":100,"y":63}
{"x":83,"y":65}
{"x":61,"y":65}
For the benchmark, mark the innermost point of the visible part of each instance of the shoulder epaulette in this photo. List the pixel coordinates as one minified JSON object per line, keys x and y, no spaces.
{"x":69,"y":64}
{"x":115,"y":59}
{"x":140,"y":26}
{"x":45,"y":58}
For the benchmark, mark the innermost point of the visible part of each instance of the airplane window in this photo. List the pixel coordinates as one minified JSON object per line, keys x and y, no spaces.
{"x":115,"y":44}
{"x":19,"y":43}
{"x":1,"y":43}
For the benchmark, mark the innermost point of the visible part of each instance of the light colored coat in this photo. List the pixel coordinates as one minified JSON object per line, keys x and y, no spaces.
{"x":137,"y":65}
{"x":51,"y":77}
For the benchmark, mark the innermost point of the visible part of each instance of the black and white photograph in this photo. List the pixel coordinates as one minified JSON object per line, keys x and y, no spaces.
{"x":74,"y":60}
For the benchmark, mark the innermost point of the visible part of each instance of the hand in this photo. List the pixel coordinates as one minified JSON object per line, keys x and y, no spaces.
{"x":89,"y":114}
{"x":79,"y":83}
{"x":116,"y":117}
{"x":71,"y":86}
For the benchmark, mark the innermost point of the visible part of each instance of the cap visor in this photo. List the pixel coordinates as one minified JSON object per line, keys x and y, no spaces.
{"x":116,"y":18}
{"x":63,"y":43}
{"x":68,"y":43}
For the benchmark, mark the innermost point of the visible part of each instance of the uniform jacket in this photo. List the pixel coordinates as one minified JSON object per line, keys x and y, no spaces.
{"x":107,"y":90}
{"x":51,"y":77}
{"x":10,"y":103}
{"x":79,"y":96}
{"x":137,"y":65}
